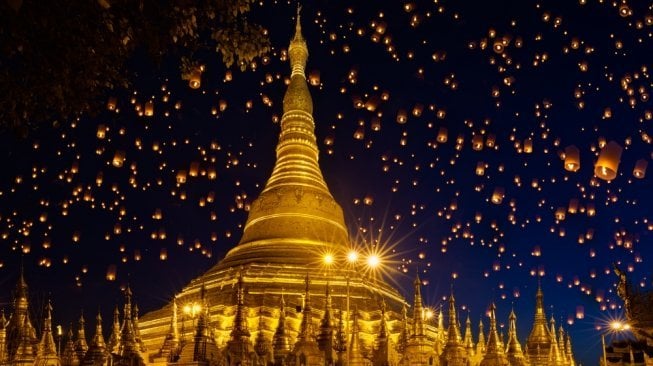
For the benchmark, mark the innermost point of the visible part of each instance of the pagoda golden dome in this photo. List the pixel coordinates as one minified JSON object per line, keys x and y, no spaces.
{"x":295,"y":216}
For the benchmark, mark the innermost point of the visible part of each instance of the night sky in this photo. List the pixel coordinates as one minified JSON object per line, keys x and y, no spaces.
{"x":387,"y":77}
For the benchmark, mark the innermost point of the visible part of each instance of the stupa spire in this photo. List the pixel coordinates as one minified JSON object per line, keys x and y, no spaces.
{"x":480,"y":346}
{"x":418,"y":310}
{"x":280,"y":341}
{"x":494,"y":353}
{"x":513,"y":348}
{"x":114,"y":339}
{"x":306,"y":328}
{"x":47,"y":350}
{"x":469,"y":340}
{"x":539,"y":340}
{"x":454,"y":337}
{"x":295,"y":210}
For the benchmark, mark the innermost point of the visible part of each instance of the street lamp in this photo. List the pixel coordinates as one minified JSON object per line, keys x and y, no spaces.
{"x":615,"y":326}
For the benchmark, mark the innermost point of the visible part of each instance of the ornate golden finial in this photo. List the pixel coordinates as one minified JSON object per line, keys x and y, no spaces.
{"x":298,"y":24}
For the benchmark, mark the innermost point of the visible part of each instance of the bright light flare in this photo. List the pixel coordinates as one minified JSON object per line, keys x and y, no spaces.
{"x":373,"y":261}
{"x":352,"y":256}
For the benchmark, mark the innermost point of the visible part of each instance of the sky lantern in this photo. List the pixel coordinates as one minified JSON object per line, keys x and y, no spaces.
{"x":149,"y":109}
{"x":442,"y":135}
{"x":572,"y":158}
{"x":560,"y":213}
{"x":498,"y":195}
{"x":640,"y":168}
{"x":195,"y":78}
{"x":181,"y":177}
{"x":490,"y":141}
{"x":112,"y":103}
{"x":480,"y":168}
{"x":375,"y":124}
{"x":477,"y":142}
{"x":101,"y":131}
{"x":608,"y":163}
{"x":402,"y":117}
{"x":573,"y":206}
{"x":118,"y":159}
{"x":314,"y":78}
{"x":528,"y":146}
{"x":111,"y":272}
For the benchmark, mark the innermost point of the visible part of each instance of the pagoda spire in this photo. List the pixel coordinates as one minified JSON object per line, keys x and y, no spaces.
{"x":538,"y":343}
{"x":261,"y":345}
{"x":69,"y":357}
{"x":306,"y":347}
{"x":240,"y":328}
{"x":356,"y":352}
{"x":306,"y":326}
{"x":454,"y":353}
{"x":47,"y":350}
{"x":3,"y":337}
{"x":113,"y":345}
{"x":98,"y":338}
{"x":325,"y":335}
{"x":555,"y":354}
{"x":381,"y":353}
{"x":19,"y":326}
{"x":494,"y":353}
{"x":468,"y":341}
{"x":513,"y":348}
{"x":280,"y":340}
{"x":97,"y":352}
{"x":418,"y":309}
{"x":295,"y":210}
{"x":170,"y":345}
{"x":340,"y":342}
{"x":453,"y":332}
{"x":137,"y":329}
{"x":81,"y":346}
{"x":404,"y":335}
{"x":128,"y":344}
{"x":481,"y":346}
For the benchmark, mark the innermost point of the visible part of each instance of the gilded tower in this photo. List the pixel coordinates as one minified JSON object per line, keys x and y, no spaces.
{"x":293,"y":223}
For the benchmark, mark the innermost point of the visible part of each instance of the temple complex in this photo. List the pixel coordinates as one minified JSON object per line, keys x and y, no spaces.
{"x":272,"y":300}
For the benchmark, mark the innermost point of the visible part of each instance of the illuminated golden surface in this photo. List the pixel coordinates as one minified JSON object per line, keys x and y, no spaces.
{"x":291,"y":226}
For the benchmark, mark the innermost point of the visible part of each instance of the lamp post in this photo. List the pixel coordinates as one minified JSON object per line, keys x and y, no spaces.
{"x":615,"y":326}
{"x":352,"y":259}
{"x":59,"y":336}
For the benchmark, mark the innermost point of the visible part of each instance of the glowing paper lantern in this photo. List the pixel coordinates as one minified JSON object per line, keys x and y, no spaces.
{"x":195,"y":79}
{"x":498,"y":195}
{"x":402,"y":117}
{"x":118,"y":159}
{"x":101,"y":131}
{"x":111,"y":272}
{"x":490,"y":141}
{"x":572,"y":158}
{"x":607,"y":165}
{"x":480,"y":168}
{"x":442,"y":135}
{"x":112,"y":103}
{"x":149,"y":109}
{"x":640,"y":168}
{"x":528,"y":146}
{"x":477,"y":142}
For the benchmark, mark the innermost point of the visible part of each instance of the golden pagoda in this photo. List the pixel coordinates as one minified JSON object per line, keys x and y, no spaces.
{"x":290,"y":228}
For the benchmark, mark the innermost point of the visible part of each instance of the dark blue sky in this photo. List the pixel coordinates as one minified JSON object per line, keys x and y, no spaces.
{"x":428,"y":201}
